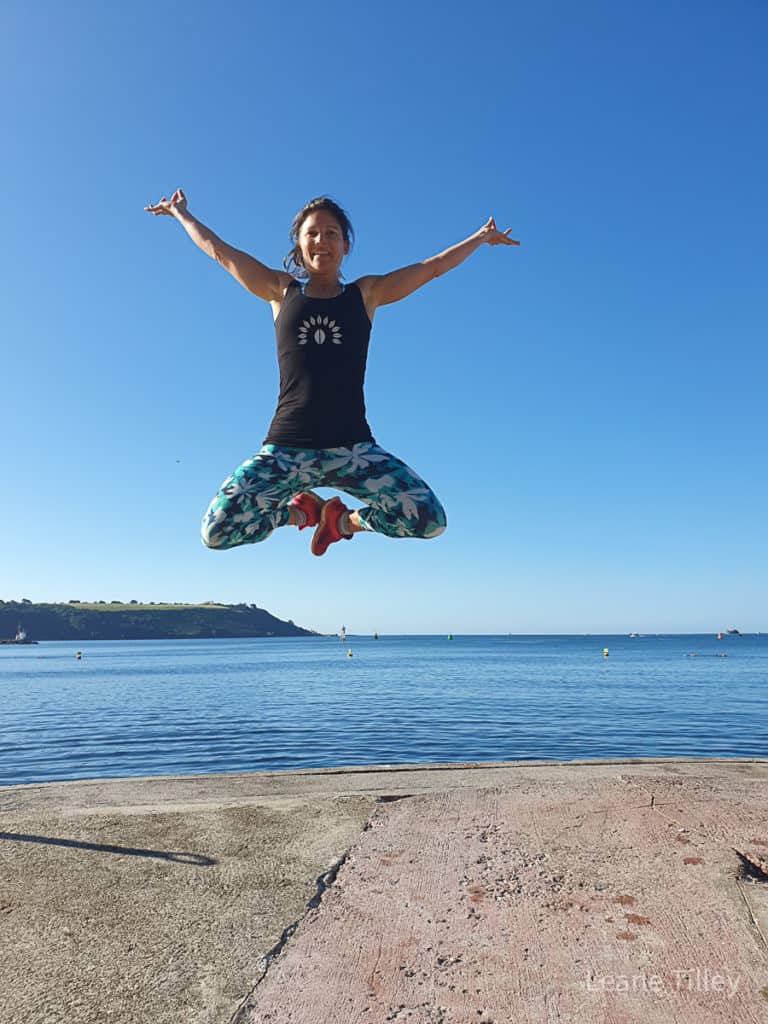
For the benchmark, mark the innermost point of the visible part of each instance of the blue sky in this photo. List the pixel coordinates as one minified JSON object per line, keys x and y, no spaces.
{"x":590,"y":407}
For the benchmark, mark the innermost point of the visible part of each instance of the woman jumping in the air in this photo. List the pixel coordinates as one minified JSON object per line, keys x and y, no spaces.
{"x":319,"y":436}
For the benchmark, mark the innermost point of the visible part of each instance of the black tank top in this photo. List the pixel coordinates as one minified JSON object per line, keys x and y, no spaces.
{"x":322,"y":348}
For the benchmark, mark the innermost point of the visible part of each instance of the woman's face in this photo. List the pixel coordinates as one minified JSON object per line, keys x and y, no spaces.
{"x":322,"y":243}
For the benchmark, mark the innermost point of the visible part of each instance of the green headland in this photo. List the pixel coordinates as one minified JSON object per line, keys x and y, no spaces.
{"x":117,"y":620}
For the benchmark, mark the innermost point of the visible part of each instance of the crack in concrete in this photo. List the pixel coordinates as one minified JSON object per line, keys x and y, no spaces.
{"x":322,"y":883}
{"x":752,"y":914}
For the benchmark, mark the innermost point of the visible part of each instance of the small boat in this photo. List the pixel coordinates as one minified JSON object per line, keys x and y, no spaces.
{"x":733,"y":632}
{"x":20,"y":638}
{"x":342,"y":634}
{"x":634,"y":634}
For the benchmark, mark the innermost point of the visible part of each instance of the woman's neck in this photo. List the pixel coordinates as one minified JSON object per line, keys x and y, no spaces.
{"x":322,"y":287}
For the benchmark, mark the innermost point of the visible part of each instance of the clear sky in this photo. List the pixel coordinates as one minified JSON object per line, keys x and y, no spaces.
{"x":590,"y":408}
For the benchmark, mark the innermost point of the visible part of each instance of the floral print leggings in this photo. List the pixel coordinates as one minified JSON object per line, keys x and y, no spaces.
{"x":254,"y":501}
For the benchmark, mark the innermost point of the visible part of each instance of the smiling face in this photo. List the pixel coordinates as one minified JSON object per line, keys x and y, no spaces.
{"x":322,"y":244}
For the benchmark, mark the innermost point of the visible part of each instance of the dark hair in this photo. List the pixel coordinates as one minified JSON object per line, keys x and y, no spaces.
{"x":293,"y":262}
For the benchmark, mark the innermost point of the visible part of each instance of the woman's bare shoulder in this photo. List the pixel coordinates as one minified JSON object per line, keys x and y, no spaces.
{"x":286,"y":281}
{"x":366,"y":286}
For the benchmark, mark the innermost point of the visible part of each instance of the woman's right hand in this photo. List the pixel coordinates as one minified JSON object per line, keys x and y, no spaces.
{"x":168,"y":207}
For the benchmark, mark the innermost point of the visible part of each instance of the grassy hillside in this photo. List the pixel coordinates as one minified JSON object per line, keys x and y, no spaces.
{"x":119,"y":621}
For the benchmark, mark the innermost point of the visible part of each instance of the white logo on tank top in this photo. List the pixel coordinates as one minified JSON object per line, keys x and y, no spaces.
{"x":319,"y":329}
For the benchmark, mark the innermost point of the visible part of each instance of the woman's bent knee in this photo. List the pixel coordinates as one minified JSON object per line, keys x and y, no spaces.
{"x":434,"y":522}
{"x":224,"y":527}
{"x":422,"y":521}
{"x":220,"y":540}
{"x":434,"y":531}
{"x":214,"y":539}
{"x":214,"y":536}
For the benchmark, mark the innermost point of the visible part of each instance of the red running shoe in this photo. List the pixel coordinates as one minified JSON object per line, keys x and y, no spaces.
{"x":310,"y":504}
{"x":328,"y":531}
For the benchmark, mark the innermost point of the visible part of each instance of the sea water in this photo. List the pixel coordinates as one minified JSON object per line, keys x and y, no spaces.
{"x":157,"y":707}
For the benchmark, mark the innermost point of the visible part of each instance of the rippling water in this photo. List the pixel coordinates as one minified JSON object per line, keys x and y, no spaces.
{"x":166,"y":707}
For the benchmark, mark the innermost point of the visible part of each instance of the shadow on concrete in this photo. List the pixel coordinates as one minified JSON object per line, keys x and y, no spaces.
{"x":193,"y":859}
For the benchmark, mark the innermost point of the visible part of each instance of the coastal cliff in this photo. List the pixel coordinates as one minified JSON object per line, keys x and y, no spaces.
{"x":78,"y":620}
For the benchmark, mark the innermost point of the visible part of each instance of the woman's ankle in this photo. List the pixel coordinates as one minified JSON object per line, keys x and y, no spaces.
{"x":355,"y":526}
{"x":296,"y":517}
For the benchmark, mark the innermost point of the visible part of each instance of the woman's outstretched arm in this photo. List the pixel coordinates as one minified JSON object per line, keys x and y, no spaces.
{"x":259,"y":279}
{"x":381,"y":290}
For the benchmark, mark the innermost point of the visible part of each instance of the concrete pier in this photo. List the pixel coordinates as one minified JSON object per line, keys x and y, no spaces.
{"x":616,"y":892}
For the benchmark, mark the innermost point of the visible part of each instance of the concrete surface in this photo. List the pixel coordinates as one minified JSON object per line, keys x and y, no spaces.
{"x":605,"y":892}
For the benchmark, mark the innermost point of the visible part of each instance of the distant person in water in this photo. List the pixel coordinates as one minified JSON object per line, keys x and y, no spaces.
{"x":319,"y":436}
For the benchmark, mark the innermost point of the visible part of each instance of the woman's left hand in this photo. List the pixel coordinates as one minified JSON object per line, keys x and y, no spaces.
{"x":491,"y":234}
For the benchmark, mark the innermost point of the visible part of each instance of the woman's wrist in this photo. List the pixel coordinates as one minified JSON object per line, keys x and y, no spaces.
{"x":181,"y":213}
